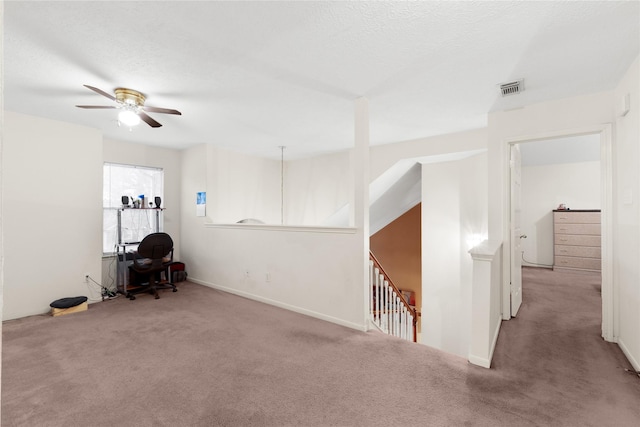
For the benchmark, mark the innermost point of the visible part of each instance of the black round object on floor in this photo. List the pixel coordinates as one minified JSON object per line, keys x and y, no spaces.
{"x":68,"y":302}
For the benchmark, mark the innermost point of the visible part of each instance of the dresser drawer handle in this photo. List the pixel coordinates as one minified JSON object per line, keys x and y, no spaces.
{"x":562,"y":229}
{"x":564,"y":240}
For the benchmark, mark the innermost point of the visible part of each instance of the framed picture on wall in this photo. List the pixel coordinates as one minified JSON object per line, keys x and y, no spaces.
{"x":201,"y":203}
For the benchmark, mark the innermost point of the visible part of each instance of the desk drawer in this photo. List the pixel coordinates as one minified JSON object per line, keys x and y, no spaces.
{"x":581,"y":263}
{"x":588,"y":229}
{"x":576,"y":217}
{"x":578,"y":251}
{"x":573,"y":240}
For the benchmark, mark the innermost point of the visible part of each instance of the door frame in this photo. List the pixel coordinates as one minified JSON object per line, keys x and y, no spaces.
{"x":513,"y":244}
{"x":609,"y":289}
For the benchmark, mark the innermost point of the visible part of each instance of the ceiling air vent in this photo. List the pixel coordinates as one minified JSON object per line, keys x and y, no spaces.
{"x":512,"y":88}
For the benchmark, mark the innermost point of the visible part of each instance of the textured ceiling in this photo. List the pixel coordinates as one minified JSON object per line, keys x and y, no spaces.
{"x":253,"y":76}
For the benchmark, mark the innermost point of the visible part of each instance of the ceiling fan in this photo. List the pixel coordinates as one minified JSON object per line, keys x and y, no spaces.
{"x":131,"y":102}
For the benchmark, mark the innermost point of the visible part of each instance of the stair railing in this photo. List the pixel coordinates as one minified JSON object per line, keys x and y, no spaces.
{"x":389,"y":309}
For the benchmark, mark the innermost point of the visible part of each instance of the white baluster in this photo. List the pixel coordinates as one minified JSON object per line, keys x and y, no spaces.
{"x":383,"y":305}
{"x":397,"y":315}
{"x":394,"y":324}
{"x":408,"y":324}
{"x":371,"y":279}
{"x":393,"y":313}
{"x":392,"y":302}
{"x":403,"y":322}
{"x":376,"y":286}
{"x":388,"y":307}
{"x":378,"y":297}
{"x":410,"y":327}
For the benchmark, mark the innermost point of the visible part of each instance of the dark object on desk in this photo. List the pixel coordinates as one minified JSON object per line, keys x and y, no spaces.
{"x":153,"y":257}
{"x":158,"y":201}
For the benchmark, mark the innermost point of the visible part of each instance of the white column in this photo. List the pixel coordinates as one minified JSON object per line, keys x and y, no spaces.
{"x":442,"y":294}
{"x":360,"y":201}
{"x":1,"y":187}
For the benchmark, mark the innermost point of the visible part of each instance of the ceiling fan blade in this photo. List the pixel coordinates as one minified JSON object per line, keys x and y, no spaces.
{"x":101,"y":92}
{"x":162,"y":110}
{"x":148,"y":120}
{"x":95,"y":106}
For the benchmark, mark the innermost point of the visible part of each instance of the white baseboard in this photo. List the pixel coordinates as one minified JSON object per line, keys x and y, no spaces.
{"x":479,"y":361}
{"x":280,"y":304}
{"x":495,"y":338}
{"x":628,"y":354}
{"x":485,"y":362}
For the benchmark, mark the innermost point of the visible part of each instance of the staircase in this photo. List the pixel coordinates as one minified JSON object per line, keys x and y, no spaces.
{"x":389,"y":310}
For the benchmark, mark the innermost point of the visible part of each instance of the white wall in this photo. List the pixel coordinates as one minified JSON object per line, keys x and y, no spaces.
{"x":554,"y":119}
{"x":627,"y":213}
{"x":194,"y":180}
{"x":564,"y":116}
{"x":52,"y":212}
{"x":241,"y":187}
{"x":543,"y":189}
{"x":454,"y":219}
{"x":391,"y":170}
{"x":385,"y":156}
{"x":315,"y":272}
{"x":316,"y":188}
{"x":571,"y":116}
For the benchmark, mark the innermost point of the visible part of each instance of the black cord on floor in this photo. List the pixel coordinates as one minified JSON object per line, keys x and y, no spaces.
{"x":106,"y":293}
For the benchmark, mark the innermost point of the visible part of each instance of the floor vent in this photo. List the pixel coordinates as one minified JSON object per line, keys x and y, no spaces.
{"x":512,"y":88}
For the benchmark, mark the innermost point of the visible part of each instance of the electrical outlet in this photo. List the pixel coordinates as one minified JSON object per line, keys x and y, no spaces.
{"x":246,"y":274}
{"x":268,"y":278}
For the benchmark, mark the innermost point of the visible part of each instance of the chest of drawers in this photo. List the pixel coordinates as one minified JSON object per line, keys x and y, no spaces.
{"x":577,"y":240}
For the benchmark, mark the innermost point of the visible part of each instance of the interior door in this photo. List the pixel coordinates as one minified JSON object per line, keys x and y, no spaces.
{"x":516,"y":231}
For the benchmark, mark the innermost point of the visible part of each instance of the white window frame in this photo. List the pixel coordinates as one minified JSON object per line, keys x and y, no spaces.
{"x":132,"y":181}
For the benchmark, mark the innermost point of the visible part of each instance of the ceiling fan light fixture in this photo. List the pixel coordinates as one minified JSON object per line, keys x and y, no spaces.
{"x":128,"y":118}
{"x":129,"y":96}
{"x":131,"y":104}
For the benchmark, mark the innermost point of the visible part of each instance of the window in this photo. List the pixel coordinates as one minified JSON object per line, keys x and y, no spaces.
{"x":132,"y":181}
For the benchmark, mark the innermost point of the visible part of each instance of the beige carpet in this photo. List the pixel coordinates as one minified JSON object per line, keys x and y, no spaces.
{"x":200,"y":357}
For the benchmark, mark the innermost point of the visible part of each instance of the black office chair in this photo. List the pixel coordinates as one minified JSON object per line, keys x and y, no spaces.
{"x":153,"y":257}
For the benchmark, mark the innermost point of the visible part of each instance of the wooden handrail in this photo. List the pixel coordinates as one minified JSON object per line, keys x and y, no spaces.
{"x":410,"y":309}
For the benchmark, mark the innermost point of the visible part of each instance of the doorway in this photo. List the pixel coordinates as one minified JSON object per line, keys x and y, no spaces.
{"x":512,"y":252}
